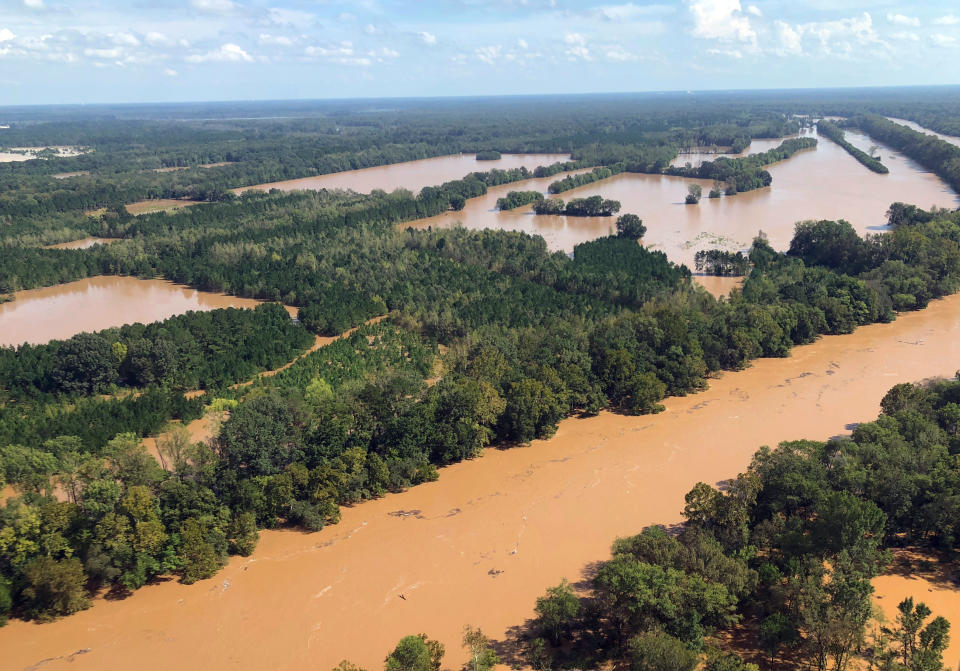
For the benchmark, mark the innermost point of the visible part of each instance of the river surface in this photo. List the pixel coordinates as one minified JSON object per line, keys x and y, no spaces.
{"x":952,"y":139}
{"x":40,"y":315}
{"x":483,"y":542}
{"x":697,"y":156}
{"x":821,"y":183}
{"x":412,"y":175}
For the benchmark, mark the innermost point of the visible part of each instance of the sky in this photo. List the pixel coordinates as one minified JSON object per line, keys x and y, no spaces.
{"x":90,"y":51}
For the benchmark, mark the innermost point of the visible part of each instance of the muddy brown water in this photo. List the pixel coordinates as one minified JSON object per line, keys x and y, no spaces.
{"x":952,"y":139}
{"x":821,"y":183}
{"x":483,"y":542}
{"x":40,"y":315}
{"x":412,"y":175}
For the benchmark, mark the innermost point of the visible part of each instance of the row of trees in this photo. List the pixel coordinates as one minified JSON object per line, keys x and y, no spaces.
{"x":515,"y":199}
{"x":592,"y":206}
{"x":721,"y":262}
{"x":197,"y":350}
{"x":746,"y":173}
{"x":835,"y":133}
{"x":786,"y":551}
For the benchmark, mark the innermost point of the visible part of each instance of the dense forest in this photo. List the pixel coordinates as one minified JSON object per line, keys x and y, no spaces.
{"x":530,"y":336}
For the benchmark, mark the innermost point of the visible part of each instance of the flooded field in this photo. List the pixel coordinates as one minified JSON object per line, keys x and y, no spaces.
{"x":40,"y":315}
{"x":695,"y":157}
{"x":923,"y":577}
{"x":479,"y":545}
{"x":158,"y":205}
{"x":412,"y":175}
{"x":17,"y":154}
{"x":718,"y":286}
{"x":821,"y":183}
{"x":83,"y":243}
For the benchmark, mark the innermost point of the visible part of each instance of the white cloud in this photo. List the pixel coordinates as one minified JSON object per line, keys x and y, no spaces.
{"x":944,"y":40}
{"x":274,"y":40}
{"x":33,"y":4}
{"x":289,"y":17}
{"x":155,"y":39}
{"x":789,"y":39}
{"x":522,"y":43}
{"x":489,"y":55}
{"x":213,"y":6}
{"x":753,"y":10}
{"x":721,"y":20}
{"x":903,"y":35}
{"x":619,"y":55}
{"x":125,"y":39}
{"x":578,"y":47}
{"x":630,"y":11}
{"x":228,"y":53}
{"x":948,"y":20}
{"x":902,"y":20}
{"x":6,"y":35}
{"x":427,"y":38}
{"x":103,"y":53}
{"x":832,"y":38}
{"x":729,"y":53}
{"x":170,"y":72}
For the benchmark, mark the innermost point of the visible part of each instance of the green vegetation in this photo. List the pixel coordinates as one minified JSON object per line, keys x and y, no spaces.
{"x":931,"y":152}
{"x":835,"y":133}
{"x":744,"y":174}
{"x":488,"y":155}
{"x":720,"y":262}
{"x":197,"y":350}
{"x":786,"y":550}
{"x":592,"y":206}
{"x":515,"y":199}
{"x":534,"y":336}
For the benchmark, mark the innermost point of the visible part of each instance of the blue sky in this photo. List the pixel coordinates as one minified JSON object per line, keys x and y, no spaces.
{"x":67,"y":51}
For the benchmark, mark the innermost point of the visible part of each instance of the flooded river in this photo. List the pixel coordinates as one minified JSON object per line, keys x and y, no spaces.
{"x":952,"y":139}
{"x":479,"y":545}
{"x":39,"y":315}
{"x":821,"y":183}
{"x":412,"y":175}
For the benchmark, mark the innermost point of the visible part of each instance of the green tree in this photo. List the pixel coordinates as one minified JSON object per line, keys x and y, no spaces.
{"x":694,"y":193}
{"x":557,"y":612}
{"x":54,"y":587}
{"x":921,"y":647}
{"x":199,"y":556}
{"x":657,"y":651}
{"x":477,"y":645}
{"x":630,"y":226}
{"x":415,"y":653}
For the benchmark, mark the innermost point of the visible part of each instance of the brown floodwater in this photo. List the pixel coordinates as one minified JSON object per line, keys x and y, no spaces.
{"x":412,"y":175}
{"x":698,"y":155}
{"x":480,"y":544}
{"x":926,"y":578}
{"x":83,"y":243}
{"x":952,"y":139}
{"x":821,"y":183}
{"x":40,"y":315}
{"x":718,"y":286}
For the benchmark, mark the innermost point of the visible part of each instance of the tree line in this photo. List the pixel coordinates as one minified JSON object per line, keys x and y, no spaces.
{"x":835,"y":133}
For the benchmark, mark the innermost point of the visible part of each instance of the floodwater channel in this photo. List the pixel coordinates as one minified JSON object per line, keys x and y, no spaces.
{"x":412,"y":175}
{"x":39,"y":315}
{"x":479,"y":545}
{"x":821,"y":183}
